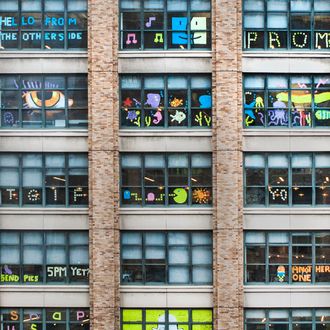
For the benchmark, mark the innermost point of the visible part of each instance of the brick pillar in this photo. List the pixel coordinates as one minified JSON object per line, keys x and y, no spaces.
{"x":103,"y":164}
{"x":228,"y":188}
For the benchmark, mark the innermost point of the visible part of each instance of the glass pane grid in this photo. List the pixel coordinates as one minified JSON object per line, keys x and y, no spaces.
{"x":165,"y":263}
{"x":286,"y":263}
{"x":171,"y":103}
{"x":58,"y":101}
{"x":274,"y":25}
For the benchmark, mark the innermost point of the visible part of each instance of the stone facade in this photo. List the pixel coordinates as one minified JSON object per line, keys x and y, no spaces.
{"x":103,"y":164}
{"x":227,"y":160}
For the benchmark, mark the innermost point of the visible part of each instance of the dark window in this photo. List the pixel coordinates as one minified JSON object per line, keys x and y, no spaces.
{"x":166,"y":258}
{"x":166,"y":179}
{"x":46,"y":25}
{"x":165,"y":24}
{"x":293,"y":24}
{"x":287,"y":257}
{"x":57,"y":101}
{"x":35,"y":257}
{"x":166,"y":101}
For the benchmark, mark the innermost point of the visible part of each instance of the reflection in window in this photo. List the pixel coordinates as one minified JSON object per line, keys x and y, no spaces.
{"x":35,"y":257}
{"x":45,"y":24}
{"x":166,"y":101}
{"x":188,"y":319}
{"x":40,"y":101}
{"x":297,"y":179}
{"x":286,"y":24}
{"x":166,"y":258}
{"x":299,"y":319}
{"x":286,"y":101}
{"x":16,"y":318}
{"x":287,"y":257}
{"x":165,"y":24}
{"x":166,"y":179}
{"x":35,"y":179}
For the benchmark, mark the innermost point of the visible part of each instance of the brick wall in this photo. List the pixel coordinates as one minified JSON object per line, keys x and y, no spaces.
{"x":227,"y":159}
{"x":103,"y":164}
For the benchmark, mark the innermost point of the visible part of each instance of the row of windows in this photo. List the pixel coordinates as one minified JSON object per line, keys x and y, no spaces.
{"x":163,"y":101}
{"x":40,"y":101}
{"x":44,"y":318}
{"x":38,"y":257}
{"x":287,"y":257}
{"x":286,"y":24}
{"x":43,"y":24}
{"x":166,"y":179}
{"x":172,"y":257}
{"x":165,"y":24}
{"x":286,"y":101}
{"x":171,"y":319}
{"x":166,"y":101}
{"x":43,"y":179}
{"x":287,"y":319}
{"x":287,"y":179}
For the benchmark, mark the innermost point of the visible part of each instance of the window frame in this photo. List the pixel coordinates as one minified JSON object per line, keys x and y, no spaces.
{"x":167,"y":265}
{"x":43,"y":123}
{"x":266,"y":186}
{"x":314,"y":322}
{"x":165,"y":108}
{"x":165,"y":31}
{"x":43,"y":187}
{"x":45,"y":247}
{"x":266,"y":91}
{"x":266,"y":245}
{"x":144,"y":324}
{"x":188,"y":203}
{"x":289,"y":14}
{"x":43,"y":29}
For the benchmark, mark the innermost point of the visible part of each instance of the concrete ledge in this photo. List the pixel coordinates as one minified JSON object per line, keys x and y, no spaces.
{"x":41,"y":142}
{"x":285,"y":62}
{"x":44,"y":296}
{"x":165,"y":62}
{"x":43,"y":219}
{"x":166,"y":297}
{"x":166,"y":222}
{"x":311,"y":140}
{"x":286,"y":296}
{"x":163,"y":142}
{"x":36,"y":63}
{"x":286,"y":219}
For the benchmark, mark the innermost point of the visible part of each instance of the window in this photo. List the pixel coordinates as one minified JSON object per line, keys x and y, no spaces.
{"x":167,"y":101}
{"x":163,"y":318}
{"x":299,"y":319}
{"x":40,"y":101}
{"x":44,"y":318}
{"x":286,"y":24}
{"x":166,"y":179}
{"x":286,"y":101}
{"x":287,"y":257}
{"x":172,"y":257}
{"x":160,"y":24}
{"x":43,"y":24}
{"x":297,"y":179}
{"x":38,"y":257}
{"x":36,"y":179}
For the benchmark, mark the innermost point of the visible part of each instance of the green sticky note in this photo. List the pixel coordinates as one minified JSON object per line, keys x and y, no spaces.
{"x":181,"y":315}
{"x":152,"y":315}
{"x":132,"y":315}
{"x":202,"y":315}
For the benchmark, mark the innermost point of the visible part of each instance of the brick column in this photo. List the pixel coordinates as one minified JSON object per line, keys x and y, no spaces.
{"x":103,"y":164}
{"x":228,"y":187}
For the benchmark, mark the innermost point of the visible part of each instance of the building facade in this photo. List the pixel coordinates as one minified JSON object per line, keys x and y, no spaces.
{"x":190,"y":189}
